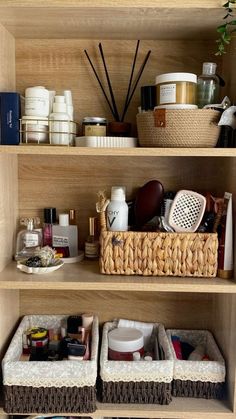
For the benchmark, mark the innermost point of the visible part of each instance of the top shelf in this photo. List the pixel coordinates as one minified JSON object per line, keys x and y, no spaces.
{"x":109,"y":19}
{"x":116,"y":152}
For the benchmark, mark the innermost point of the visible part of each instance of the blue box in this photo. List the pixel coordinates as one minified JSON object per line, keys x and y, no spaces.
{"x":9,"y":118}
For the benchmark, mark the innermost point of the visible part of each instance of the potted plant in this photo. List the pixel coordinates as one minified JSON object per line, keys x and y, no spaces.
{"x":227,"y":28}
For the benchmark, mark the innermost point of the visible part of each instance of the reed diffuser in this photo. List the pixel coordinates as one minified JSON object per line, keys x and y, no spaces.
{"x":118,"y":127}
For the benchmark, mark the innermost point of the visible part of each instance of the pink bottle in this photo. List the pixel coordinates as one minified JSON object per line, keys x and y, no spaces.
{"x":49,"y":220}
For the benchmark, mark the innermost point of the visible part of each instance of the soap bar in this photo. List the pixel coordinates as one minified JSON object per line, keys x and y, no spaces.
{"x":148,"y":202}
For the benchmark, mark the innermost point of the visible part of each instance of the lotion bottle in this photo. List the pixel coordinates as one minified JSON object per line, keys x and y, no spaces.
{"x":59,"y":123}
{"x":117,"y":210}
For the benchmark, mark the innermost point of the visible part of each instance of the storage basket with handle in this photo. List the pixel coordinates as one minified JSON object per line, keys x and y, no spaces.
{"x":178,"y":128}
{"x":154,"y":253}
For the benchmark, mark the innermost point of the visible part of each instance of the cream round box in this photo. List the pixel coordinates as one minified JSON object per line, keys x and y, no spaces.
{"x":123,"y":342}
{"x":34,"y":130}
{"x":176,"y":91}
{"x":37,"y":101}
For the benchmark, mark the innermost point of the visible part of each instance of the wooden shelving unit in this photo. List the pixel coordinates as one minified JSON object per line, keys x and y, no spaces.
{"x":42,"y":43}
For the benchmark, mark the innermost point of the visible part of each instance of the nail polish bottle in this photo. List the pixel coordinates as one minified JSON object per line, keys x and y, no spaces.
{"x":92,"y":242}
{"x":49,"y":220}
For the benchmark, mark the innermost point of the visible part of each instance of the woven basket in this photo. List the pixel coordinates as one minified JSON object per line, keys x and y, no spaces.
{"x":201,"y":379}
{"x":48,"y":387}
{"x":156,"y":254}
{"x":178,"y":128}
{"x":136,"y":382}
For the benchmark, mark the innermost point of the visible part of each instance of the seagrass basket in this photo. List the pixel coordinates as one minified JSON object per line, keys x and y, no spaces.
{"x":157,"y":254}
{"x":48,"y":387}
{"x":178,"y":128}
{"x":200,"y":379}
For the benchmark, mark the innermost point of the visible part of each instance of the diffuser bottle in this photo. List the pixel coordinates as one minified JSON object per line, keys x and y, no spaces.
{"x":207,"y":85}
{"x":59,"y":123}
{"x":28,"y":240}
{"x":117,"y":210}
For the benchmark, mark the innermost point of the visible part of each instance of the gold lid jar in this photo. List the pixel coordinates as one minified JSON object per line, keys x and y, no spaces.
{"x":176,"y":91}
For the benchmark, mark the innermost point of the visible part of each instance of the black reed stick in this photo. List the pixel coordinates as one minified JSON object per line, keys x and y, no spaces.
{"x":100,"y":84}
{"x":136,"y":82}
{"x":130,"y":80}
{"x":117,"y":118}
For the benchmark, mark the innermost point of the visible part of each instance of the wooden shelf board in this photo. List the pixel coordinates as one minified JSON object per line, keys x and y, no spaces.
{"x":129,"y":152}
{"x":109,"y":19}
{"x":179,"y":407}
{"x":85,"y":276}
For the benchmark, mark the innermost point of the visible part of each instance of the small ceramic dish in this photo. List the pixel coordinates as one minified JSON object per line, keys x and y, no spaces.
{"x":42,"y":270}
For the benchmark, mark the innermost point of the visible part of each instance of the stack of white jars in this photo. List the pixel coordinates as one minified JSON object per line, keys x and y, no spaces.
{"x":48,"y":117}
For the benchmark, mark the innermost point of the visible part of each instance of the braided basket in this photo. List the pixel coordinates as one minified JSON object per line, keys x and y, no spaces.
{"x":178,"y":128}
{"x":157,"y":254}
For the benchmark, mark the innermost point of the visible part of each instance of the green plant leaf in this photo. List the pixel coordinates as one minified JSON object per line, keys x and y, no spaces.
{"x":222,"y":28}
{"x":233,"y":22}
{"x":226,"y":5}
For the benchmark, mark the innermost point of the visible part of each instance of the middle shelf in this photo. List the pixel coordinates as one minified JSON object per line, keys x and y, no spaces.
{"x":86,"y":276}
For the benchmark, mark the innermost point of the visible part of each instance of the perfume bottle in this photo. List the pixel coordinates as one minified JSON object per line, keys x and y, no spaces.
{"x":92,"y":242}
{"x":29,"y":239}
{"x":49,"y":220}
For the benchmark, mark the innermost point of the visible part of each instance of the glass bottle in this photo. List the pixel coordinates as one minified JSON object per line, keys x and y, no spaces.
{"x":28,"y":240}
{"x":49,"y":220}
{"x":65,"y":237}
{"x":92,"y":242}
{"x":208,"y":85}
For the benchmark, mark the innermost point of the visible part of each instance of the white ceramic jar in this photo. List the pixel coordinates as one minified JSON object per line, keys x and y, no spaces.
{"x":37,"y":101}
{"x":34,"y":130}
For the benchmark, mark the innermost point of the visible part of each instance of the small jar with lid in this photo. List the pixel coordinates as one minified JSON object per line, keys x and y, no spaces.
{"x":176,"y":91}
{"x":123,"y":342}
{"x":94,"y":126}
{"x":34,"y":130}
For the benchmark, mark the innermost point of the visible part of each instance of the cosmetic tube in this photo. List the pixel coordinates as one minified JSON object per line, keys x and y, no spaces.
{"x":225,"y":251}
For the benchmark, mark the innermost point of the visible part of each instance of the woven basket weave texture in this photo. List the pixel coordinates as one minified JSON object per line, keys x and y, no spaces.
{"x":159,"y":254}
{"x":184,"y":128}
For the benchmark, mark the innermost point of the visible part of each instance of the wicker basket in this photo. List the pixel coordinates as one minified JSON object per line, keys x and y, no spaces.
{"x":48,"y":387}
{"x":156,"y":254}
{"x":203,"y":379}
{"x":178,"y":128}
{"x":136,"y":382}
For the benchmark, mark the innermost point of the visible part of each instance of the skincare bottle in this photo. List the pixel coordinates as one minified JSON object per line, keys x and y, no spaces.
{"x":117,"y":210}
{"x":49,"y":220}
{"x":208,"y":86}
{"x":65,"y":237}
{"x":59,"y":123}
{"x":92,"y":242}
{"x":28,"y":240}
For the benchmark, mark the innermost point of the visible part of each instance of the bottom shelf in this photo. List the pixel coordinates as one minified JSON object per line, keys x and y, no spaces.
{"x":179,"y":408}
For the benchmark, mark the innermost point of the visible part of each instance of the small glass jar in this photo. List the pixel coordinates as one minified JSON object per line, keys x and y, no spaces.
{"x":94,"y":126}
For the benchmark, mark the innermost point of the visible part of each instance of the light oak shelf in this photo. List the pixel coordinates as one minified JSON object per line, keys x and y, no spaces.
{"x":178,"y":408}
{"x":129,"y":152}
{"x":108,"y":19}
{"x":86,"y":276}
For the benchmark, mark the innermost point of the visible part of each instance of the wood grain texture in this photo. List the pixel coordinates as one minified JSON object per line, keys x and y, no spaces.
{"x":169,"y":308}
{"x":9,"y":316}
{"x":110,"y":20}
{"x":62,"y":64}
{"x":7,"y":61}
{"x":8,"y":207}
{"x":78,"y":4}
{"x":224,"y":328}
{"x":85,"y":276}
{"x":73,"y":182}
